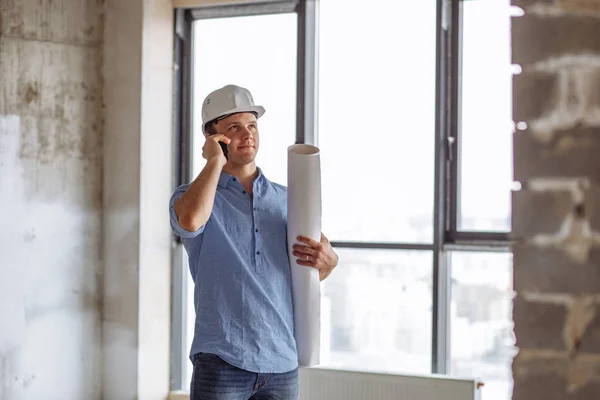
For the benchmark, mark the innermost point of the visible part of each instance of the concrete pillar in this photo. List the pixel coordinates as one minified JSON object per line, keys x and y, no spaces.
{"x":138,"y":92}
{"x":556,"y":215}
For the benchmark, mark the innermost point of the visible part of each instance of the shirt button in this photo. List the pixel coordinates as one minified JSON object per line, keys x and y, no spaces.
{"x":256,"y":230}
{"x":254,"y":208}
{"x":244,"y":192}
{"x":233,"y":179}
{"x":258,"y":252}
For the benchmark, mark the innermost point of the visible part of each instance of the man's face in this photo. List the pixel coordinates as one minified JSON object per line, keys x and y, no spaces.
{"x":242,"y":129}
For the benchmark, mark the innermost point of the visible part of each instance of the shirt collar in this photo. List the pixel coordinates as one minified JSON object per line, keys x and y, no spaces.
{"x":225,"y":178}
{"x":260,"y":175}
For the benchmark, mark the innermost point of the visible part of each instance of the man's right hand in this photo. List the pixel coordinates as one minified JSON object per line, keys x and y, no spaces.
{"x":212,"y":149}
{"x":195,"y":205}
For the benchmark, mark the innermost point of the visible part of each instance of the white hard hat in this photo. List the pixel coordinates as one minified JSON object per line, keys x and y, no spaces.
{"x":227,"y":100}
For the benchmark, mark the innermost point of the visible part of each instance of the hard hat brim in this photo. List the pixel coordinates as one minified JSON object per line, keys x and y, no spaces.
{"x":258,"y":110}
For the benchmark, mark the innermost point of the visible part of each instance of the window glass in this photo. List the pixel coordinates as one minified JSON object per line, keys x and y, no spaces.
{"x":377,"y":75}
{"x":376,"y":312}
{"x":485,"y":153}
{"x":265,"y":64}
{"x":482,"y":340}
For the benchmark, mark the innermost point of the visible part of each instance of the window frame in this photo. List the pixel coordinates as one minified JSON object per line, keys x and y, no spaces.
{"x":446,"y":236}
{"x":454,"y":52}
{"x":183,"y":145}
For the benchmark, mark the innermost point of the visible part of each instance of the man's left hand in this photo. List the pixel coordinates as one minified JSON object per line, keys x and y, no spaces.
{"x":319,"y":255}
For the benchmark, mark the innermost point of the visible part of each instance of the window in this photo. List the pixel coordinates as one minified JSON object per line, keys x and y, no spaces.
{"x":214,"y":59}
{"x":376,"y":316}
{"x":411,"y":108}
{"x":376,"y":134}
{"x":479,"y":194}
{"x":377,"y":120}
{"x":269,"y":75}
{"x":481,"y":320}
{"x":485,"y":132}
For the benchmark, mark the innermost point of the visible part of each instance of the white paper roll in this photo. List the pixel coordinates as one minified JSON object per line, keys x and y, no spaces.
{"x":304,"y":218}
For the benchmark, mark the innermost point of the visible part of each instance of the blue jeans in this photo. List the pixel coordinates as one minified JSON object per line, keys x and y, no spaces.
{"x":214,"y":379}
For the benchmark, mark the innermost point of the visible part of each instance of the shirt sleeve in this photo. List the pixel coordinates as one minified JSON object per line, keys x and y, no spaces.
{"x":177,"y":229}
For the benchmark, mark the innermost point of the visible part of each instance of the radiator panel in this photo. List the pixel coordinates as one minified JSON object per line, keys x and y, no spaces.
{"x":323,"y":384}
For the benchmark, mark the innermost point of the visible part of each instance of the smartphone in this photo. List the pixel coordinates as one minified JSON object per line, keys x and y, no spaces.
{"x":224,"y":148}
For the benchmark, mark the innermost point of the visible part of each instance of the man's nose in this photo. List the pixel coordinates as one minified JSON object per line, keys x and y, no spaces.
{"x":247,"y":134}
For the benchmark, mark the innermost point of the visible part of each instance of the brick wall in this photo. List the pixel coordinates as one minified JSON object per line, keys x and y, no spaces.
{"x":556,"y":214}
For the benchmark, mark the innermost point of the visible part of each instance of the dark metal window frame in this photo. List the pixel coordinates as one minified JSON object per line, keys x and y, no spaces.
{"x":183,"y":145}
{"x":446,"y":236}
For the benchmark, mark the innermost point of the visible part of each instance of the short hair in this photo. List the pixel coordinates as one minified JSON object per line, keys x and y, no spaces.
{"x":210,"y":127}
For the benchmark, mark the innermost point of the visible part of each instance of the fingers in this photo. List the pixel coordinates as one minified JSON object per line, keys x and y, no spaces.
{"x":318,"y":255}
{"x":324,"y":271}
{"x":211,"y":146}
{"x":312,"y":243}
{"x":305,"y":253}
{"x":218,"y":138}
{"x":310,"y":254}
{"x":302,"y":250}
{"x":312,"y":261}
{"x":309,"y":257}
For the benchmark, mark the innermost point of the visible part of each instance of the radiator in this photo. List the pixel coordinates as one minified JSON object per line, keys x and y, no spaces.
{"x":324,"y":384}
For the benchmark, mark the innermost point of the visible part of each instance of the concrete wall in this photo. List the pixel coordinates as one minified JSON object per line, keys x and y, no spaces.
{"x":138,"y":73}
{"x":556,"y":215}
{"x":50,"y":199}
{"x":85,"y":176}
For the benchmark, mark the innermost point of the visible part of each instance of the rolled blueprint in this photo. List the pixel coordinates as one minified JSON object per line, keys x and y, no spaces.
{"x":304,"y":218}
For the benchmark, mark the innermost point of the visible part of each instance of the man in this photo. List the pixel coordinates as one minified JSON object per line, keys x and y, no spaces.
{"x":233,"y":222}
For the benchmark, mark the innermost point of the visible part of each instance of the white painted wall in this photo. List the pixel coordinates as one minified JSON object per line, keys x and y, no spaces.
{"x":85,"y":97}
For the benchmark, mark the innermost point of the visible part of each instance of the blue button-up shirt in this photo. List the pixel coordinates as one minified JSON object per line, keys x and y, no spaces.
{"x":240,"y":266}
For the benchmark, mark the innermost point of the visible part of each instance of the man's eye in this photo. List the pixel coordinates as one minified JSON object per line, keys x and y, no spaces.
{"x":252,"y":126}
{"x":233,"y":128}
